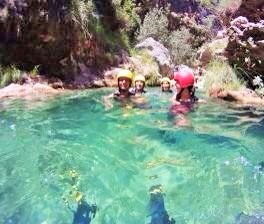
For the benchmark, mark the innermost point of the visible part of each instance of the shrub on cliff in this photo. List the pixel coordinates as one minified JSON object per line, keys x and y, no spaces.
{"x":180,"y":47}
{"x":127,"y":15}
{"x":143,"y":63}
{"x":155,"y":25}
{"x":181,"y":42}
{"x":221,"y":76}
{"x":9,"y":75}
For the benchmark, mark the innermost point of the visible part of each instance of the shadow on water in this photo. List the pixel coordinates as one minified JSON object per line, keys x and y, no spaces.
{"x":84,"y":213}
{"x":256,"y":130}
{"x":157,"y":210}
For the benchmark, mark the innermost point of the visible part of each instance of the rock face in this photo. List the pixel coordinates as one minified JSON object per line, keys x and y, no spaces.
{"x":160,"y":53}
{"x":252,"y":9}
{"x":246,"y":47}
{"x":213,"y":50}
{"x":56,"y":36}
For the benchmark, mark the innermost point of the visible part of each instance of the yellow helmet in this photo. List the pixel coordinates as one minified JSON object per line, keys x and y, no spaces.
{"x":124,"y":73}
{"x":140,"y":78}
{"x":165,"y":79}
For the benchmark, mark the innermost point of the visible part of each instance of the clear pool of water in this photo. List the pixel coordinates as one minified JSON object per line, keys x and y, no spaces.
{"x":52,"y":149}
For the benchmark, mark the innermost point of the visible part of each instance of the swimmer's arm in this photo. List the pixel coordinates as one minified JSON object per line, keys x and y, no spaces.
{"x":107,"y":101}
{"x":173,"y":99}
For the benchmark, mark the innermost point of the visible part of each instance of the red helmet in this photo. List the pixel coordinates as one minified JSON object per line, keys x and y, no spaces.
{"x":184,"y":78}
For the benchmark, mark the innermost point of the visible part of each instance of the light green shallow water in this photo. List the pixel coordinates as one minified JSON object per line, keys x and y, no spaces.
{"x":208,"y":171}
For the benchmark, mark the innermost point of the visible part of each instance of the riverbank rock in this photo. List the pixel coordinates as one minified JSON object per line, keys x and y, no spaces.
{"x":27,"y":91}
{"x":110,"y":77}
{"x":57,"y":36}
{"x":160,"y":53}
{"x":86,"y":77}
{"x":243,"y":96}
{"x":252,"y":9}
{"x":246,"y":40}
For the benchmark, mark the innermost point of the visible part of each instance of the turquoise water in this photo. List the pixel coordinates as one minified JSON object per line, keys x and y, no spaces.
{"x":209,"y":170}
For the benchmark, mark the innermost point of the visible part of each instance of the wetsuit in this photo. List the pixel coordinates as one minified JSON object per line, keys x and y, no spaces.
{"x":117,"y":94}
{"x":183,"y":107}
{"x":170,"y":91}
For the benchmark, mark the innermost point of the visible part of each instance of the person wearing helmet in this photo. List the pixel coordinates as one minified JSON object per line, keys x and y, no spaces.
{"x":139,"y":85}
{"x":165,"y":84}
{"x":124,"y":82}
{"x":184,"y":83}
{"x":184,"y":98}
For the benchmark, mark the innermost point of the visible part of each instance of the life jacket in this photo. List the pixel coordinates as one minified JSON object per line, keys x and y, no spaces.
{"x":170,"y":91}
{"x":117,"y":93}
{"x":135,"y":91}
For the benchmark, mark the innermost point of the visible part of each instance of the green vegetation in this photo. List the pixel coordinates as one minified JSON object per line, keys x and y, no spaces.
{"x":182,"y":43}
{"x":180,"y":47}
{"x":127,"y":14}
{"x":155,"y":25}
{"x":221,"y":76}
{"x":9,"y":75}
{"x":144,"y":63}
{"x":59,"y":39}
{"x":81,"y":15}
